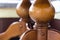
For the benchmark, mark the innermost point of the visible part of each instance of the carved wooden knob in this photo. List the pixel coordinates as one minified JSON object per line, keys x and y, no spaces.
{"x":23,"y":8}
{"x":23,"y":11}
{"x":41,"y":11}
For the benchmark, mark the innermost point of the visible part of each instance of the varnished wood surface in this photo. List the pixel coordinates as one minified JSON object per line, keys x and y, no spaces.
{"x":32,"y":35}
{"x":41,"y":12}
{"x":22,"y":10}
{"x":53,"y":34}
{"x":15,"y":29}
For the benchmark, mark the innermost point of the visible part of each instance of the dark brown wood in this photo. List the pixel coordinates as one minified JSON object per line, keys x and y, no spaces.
{"x":5,"y":22}
{"x":32,"y":35}
{"x":53,"y":34}
{"x":55,"y":24}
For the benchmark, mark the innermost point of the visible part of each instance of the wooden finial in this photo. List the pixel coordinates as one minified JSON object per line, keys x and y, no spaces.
{"x":42,"y":12}
{"x":23,"y":11}
{"x":17,"y":28}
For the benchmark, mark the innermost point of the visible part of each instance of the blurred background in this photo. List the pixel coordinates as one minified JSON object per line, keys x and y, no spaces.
{"x":7,"y":7}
